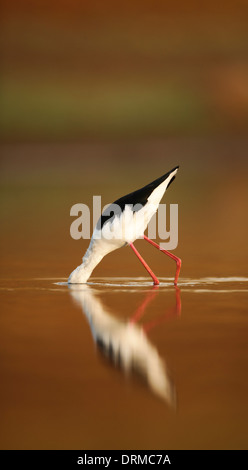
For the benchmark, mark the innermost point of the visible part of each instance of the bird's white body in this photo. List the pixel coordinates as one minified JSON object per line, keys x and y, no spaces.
{"x":121,"y":229}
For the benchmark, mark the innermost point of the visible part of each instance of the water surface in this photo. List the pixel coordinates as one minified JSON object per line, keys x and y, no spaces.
{"x":118,"y":363}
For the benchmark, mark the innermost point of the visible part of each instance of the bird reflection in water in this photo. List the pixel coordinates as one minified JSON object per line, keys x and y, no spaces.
{"x":126,"y":343}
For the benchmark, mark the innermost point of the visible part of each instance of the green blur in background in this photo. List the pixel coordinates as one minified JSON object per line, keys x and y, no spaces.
{"x":100,"y":99}
{"x":76,"y":70}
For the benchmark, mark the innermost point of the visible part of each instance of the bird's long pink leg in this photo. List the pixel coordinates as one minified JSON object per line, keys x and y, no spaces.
{"x":155,"y":279}
{"x":178,"y":261}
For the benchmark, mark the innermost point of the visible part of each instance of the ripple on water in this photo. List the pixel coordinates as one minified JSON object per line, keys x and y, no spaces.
{"x":133,"y":284}
{"x":200,"y":285}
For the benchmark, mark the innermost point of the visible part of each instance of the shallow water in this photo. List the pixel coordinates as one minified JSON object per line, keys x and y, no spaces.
{"x":118,"y":363}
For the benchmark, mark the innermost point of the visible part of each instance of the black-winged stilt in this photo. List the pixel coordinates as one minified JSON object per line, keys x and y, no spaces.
{"x":121,"y":224}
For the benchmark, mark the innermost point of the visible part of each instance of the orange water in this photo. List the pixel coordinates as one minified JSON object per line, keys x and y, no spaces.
{"x":118,"y":364}
{"x":62,"y":390}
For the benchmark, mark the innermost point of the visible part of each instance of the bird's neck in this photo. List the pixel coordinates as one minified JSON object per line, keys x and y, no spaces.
{"x":90,"y":260}
{"x":82,"y":273}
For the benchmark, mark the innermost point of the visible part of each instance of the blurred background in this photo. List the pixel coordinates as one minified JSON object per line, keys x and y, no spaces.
{"x":100,"y":98}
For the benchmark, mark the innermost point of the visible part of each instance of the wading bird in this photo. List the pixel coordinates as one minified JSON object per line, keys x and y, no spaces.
{"x":123,"y":222}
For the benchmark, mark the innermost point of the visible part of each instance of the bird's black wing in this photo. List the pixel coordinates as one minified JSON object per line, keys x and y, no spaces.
{"x":137,"y":198}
